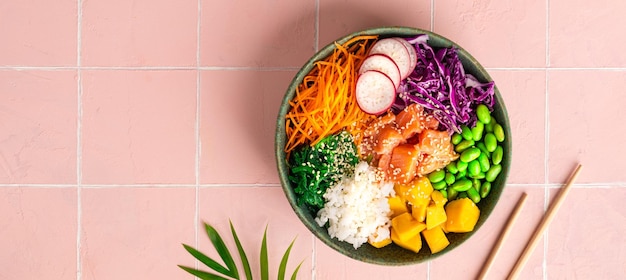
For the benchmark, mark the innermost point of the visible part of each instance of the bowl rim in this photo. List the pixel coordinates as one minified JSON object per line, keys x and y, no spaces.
{"x":305,"y":216}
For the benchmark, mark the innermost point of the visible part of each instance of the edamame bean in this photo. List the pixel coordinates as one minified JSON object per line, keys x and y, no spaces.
{"x":493,"y":172}
{"x":462,"y":185}
{"x":498,"y":131}
{"x":465,"y":144}
{"x":470,"y":154}
{"x":485,"y":189}
{"x":466,"y":132}
{"x":451,"y":167}
{"x":444,"y":193}
{"x":473,"y":168}
{"x":452,"y":194}
{"x":449,"y":179}
{"x":483,"y":149}
{"x":461,"y":174}
{"x":490,"y":142}
{"x":476,"y":184}
{"x":439,"y":185}
{"x":477,"y":131}
{"x":496,"y":157}
{"x":483,"y":114}
{"x":484,"y":162}
{"x":473,"y":195}
{"x":456,"y":138}
{"x":461,"y":166}
{"x":489,"y":127}
{"x":437,"y":176}
{"x":480,"y":175}
{"x":461,"y":195}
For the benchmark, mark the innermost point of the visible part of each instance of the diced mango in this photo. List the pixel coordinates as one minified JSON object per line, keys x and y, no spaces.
{"x":462,"y":215}
{"x":419,"y":212}
{"x":435,"y":216}
{"x":402,"y":191}
{"x":380,"y":244}
{"x":443,"y":227}
{"x":414,"y":243}
{"x":397,"y":206}
{"x":406,"y":227}
{"x":438,"y":198}
{"x":420,"y":191}
{"x":436,"y":239}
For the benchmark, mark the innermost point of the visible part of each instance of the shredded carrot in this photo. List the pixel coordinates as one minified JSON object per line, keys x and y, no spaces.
{"x":325,"y":102}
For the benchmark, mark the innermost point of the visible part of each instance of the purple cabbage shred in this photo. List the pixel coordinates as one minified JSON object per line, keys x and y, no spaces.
{"x":439,"y":83}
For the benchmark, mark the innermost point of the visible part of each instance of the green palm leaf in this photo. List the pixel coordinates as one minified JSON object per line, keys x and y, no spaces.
{"x":207,"y":261}
{"x":295,"y":272}
{"x":231,"y":269}
{"x":202,"y":274}
{"x":242,"y":253}
{"x":264,"y":261}
{"x":222,"y":250}
{"x":283,"y":261}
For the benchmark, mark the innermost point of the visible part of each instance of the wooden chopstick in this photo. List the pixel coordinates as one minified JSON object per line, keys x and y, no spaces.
{"x":503,"y":235}
{"x":554,"y":207}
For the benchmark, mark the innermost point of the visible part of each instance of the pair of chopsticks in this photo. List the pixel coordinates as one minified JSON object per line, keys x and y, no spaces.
{"x":547,"y":218}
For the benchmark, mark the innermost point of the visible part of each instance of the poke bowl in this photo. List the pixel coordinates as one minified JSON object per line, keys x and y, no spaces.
{"x":393,"y":145}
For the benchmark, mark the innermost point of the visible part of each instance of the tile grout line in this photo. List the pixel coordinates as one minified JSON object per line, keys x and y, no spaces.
{"x":79,"y":140}
{"x":432,"y":15}
{"x":316,"y":29}
{"x":544,"y":263}
{"x":313,"y":259}
{"x":197,"y":132}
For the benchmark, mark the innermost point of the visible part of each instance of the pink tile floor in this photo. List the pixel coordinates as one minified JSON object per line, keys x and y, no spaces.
{"x":126,"y":124}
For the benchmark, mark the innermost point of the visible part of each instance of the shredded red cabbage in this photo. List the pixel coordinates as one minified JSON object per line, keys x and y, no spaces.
{"x":440,"y":84}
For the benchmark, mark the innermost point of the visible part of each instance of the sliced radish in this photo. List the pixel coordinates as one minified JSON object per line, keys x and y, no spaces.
{"x":375,"y":92}
{"x":397,"y":51}
{"x":382,"y":63}
{"x":412,"y":52}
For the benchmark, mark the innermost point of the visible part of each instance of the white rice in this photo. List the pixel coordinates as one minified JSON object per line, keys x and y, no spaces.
{"x":357,"y":208}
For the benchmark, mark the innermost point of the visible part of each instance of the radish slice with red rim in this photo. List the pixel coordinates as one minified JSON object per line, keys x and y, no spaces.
{"x":396,"y":51}
{"x":412,"y":53}
{"x":384,"y":64}
{"x":375,"y":92}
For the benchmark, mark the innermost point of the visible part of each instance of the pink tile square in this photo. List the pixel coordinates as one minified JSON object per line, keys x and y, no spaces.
{"x":251,"y":210}
{"x":586,"y":237}
{"x":497,"y":33}
{"x":38,"y":120}
{"x":587,"y":33}
{"x":139,"y":33}
{"x":334,"y":22}
{"x":524,"y":94}
{"x":257,"y":34}
{"x":586,"y":111}
{"x":466,"y":261}
{"x":136,"y":233}
{"x":38,"y":233}
{"x":38,"y":33}
{"x":139,"y":127}
{"x":238,"y":124}
{"x":330,"y":264}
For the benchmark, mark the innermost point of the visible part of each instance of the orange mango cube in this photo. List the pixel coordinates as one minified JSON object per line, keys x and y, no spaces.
{"x":414,"y":243}
{"x":436,"y":239}
{"x":406,"y":227}
{"x":462,"y":215}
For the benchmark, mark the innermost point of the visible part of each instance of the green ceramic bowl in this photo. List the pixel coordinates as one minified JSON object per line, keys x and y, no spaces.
{"x":392,"y":254}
